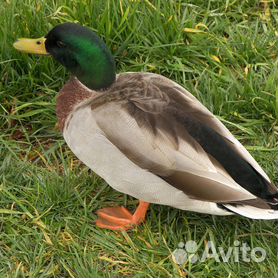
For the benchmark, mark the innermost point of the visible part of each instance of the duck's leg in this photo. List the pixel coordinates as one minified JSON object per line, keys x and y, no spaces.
{"x":119,"y":218}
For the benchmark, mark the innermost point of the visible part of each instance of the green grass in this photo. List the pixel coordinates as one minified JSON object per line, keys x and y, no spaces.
{"x":48,"y":198}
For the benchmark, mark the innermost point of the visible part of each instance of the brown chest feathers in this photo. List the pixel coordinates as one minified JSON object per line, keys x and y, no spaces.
{"x":70,"y":96}
{"x":73,"y":93}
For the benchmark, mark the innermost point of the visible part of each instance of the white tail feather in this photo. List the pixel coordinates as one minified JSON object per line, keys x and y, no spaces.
{"x":253,"y":212}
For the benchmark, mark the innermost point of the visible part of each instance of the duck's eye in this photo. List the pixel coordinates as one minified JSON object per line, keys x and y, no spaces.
{"x":60,"y":44}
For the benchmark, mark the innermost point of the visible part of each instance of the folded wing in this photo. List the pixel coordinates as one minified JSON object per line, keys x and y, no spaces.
{"x":162,"y":128}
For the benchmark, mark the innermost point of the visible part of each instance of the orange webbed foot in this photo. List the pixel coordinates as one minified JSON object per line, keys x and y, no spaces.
{"x":119,"y":218}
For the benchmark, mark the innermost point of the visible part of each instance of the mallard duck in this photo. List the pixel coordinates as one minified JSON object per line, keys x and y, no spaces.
{"x":148,"y":137}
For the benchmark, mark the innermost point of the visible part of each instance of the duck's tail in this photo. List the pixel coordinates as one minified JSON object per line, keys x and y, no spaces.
{"x":252,"y":212}
{"x":255,"y":208}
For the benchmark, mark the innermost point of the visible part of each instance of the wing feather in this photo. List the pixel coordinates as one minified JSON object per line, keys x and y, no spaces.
{"x":164,"y":129}
{"x":187,"y":168}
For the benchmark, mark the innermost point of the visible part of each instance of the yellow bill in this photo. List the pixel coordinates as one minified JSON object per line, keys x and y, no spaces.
{"x":34,"y":46}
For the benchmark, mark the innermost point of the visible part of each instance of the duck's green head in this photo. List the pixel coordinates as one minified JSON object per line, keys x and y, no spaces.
{"x":77,"y":48}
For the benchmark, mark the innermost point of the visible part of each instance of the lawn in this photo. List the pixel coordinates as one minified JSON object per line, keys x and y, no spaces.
{"x":223,"y":52}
